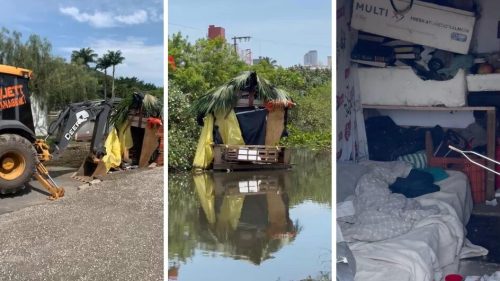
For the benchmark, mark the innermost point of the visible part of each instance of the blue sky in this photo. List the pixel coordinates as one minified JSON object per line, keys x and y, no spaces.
{"x":281,"y":29}
{"x":134,"y":27}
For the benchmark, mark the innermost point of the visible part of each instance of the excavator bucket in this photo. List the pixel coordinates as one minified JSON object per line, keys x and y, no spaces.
{"x":94,"y":167}
{"x":90,"y":169}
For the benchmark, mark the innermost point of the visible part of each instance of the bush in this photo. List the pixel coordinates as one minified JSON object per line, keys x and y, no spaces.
{"x":310,"y":121}
{"x":183,"y":131}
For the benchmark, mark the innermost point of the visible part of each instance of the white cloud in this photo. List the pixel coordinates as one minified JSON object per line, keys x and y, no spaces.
{"x":101,"y":19}
{"x":142,"y":61}
{"x":98,"y":19}
{"x":154,"y":15}
{"x":138,"y":17}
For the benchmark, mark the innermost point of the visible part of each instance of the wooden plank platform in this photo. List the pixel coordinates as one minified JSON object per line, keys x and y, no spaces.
{"x":249,"y":166}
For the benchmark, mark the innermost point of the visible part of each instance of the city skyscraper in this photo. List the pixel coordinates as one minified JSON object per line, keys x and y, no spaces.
{"x":216,"y":31}
{"x":311,"y":58}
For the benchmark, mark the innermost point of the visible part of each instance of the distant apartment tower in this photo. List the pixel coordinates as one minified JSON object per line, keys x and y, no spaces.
{"x":329,"y":63}
{"x":311,"y":58}
{"x":246,"y":56}
{"x":216,"y":31}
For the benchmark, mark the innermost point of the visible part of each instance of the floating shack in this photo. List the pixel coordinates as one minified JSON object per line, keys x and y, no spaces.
{"x":243,"y":122}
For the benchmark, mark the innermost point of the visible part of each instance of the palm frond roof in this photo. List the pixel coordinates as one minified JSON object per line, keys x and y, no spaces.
{"x":225,"y":97}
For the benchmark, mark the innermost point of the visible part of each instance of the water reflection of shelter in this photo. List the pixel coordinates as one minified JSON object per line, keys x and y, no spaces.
{"x":246,"y":213}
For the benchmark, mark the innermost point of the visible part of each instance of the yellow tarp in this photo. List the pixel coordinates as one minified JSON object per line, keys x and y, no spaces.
{"x":229,"y":216}
{"x":113,"y":157}
{"x":229,"y":128}
{"x":230,"y":210}
{"x":125,"y":136}
{"x":204,"y":185}
{"x":204,"y":151}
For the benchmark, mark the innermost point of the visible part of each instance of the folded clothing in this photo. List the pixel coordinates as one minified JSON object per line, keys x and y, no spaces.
{"x":417,"y":183}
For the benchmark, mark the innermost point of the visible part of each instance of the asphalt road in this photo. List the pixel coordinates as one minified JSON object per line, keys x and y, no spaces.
{"x":110,"y":231}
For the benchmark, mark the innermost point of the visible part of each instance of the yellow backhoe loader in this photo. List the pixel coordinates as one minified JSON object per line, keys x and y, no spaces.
{"x":21,"y":154}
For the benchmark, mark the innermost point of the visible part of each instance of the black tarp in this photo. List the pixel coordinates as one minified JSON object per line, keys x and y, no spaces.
{"x":253,"y":126}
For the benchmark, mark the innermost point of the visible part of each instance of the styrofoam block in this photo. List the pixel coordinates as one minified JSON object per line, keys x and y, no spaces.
{"x":483,"y":82}
{"x":401,"y":86}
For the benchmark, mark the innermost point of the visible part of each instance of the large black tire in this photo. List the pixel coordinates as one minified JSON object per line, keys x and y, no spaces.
{"x":18,"y":159}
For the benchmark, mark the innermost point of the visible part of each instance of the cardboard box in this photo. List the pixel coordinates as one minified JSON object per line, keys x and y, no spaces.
{"x":401,"y":86}
{"x":425,"y":23}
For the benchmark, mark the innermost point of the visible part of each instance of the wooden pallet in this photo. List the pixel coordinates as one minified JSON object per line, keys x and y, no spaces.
{"x":259,"y":154}
{"x":250,"y":157}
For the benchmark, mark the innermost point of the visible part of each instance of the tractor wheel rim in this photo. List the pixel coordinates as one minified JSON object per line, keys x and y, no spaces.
{"x":12,"y":165}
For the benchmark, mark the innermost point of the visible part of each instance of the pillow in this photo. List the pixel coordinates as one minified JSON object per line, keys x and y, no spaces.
{"x":418,"y":159}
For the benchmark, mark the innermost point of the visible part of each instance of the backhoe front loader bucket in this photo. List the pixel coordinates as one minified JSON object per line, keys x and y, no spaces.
{"x":90,"y":169}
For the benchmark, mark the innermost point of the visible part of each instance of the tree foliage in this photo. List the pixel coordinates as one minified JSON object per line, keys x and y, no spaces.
{"x":56,"y":83}
{"x":205,"y":65}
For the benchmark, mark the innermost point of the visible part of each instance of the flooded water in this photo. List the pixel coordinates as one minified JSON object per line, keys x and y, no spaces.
{"x":254,"y":225}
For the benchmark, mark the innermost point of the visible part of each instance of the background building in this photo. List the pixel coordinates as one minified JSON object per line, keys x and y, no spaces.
{"x":246,"y":56}
{"x":329,"y":61}
{"x":311,"y":58}
{"x":216,"y":31}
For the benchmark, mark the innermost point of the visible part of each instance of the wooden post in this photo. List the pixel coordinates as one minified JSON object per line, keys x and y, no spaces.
{"x":491,"y":128}
{"x":149,"y":145}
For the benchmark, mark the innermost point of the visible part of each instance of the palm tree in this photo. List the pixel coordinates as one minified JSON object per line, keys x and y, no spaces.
{"x":83,"y":56}
{"x":104,"y":63}
{"x":270,"y":61}
{"x":115,"y":58}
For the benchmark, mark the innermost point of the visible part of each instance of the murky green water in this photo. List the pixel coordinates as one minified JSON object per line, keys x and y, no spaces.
{"x":256,"y":225}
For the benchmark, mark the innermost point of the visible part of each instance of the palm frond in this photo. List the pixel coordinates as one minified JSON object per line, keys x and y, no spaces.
{"x":225,"y":97}
{"x":152,"y":106}
{"x":120,"y":114}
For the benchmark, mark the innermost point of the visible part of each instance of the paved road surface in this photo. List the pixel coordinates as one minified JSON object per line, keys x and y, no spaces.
{"x":111,"y":231}
{"x":35,"y":194}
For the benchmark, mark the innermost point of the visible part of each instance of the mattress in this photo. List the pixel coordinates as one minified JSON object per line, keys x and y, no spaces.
{"x":434,"y":245}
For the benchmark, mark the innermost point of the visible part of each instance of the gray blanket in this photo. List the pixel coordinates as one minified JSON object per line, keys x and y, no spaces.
{"x":380,"y":214}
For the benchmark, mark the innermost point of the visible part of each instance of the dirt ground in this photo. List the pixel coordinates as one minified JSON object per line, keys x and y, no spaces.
{"x":110,"y":231}
{"x":73,"y":156}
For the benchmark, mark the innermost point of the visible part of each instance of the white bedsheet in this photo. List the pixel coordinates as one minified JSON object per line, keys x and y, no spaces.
{"x":433,"y":244}
{"x":455,"y":190}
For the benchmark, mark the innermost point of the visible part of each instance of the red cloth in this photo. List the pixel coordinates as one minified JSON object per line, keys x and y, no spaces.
{"x":270,"y":105}
{"x":152,"y":121}
{"x":171,"y":62}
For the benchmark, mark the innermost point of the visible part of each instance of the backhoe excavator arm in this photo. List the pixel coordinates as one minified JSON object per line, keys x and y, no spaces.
{"x":69,"y":121}
{"x":74,"y":117}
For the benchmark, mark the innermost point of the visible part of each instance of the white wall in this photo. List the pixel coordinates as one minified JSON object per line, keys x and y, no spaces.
{"x":485,"y":32}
